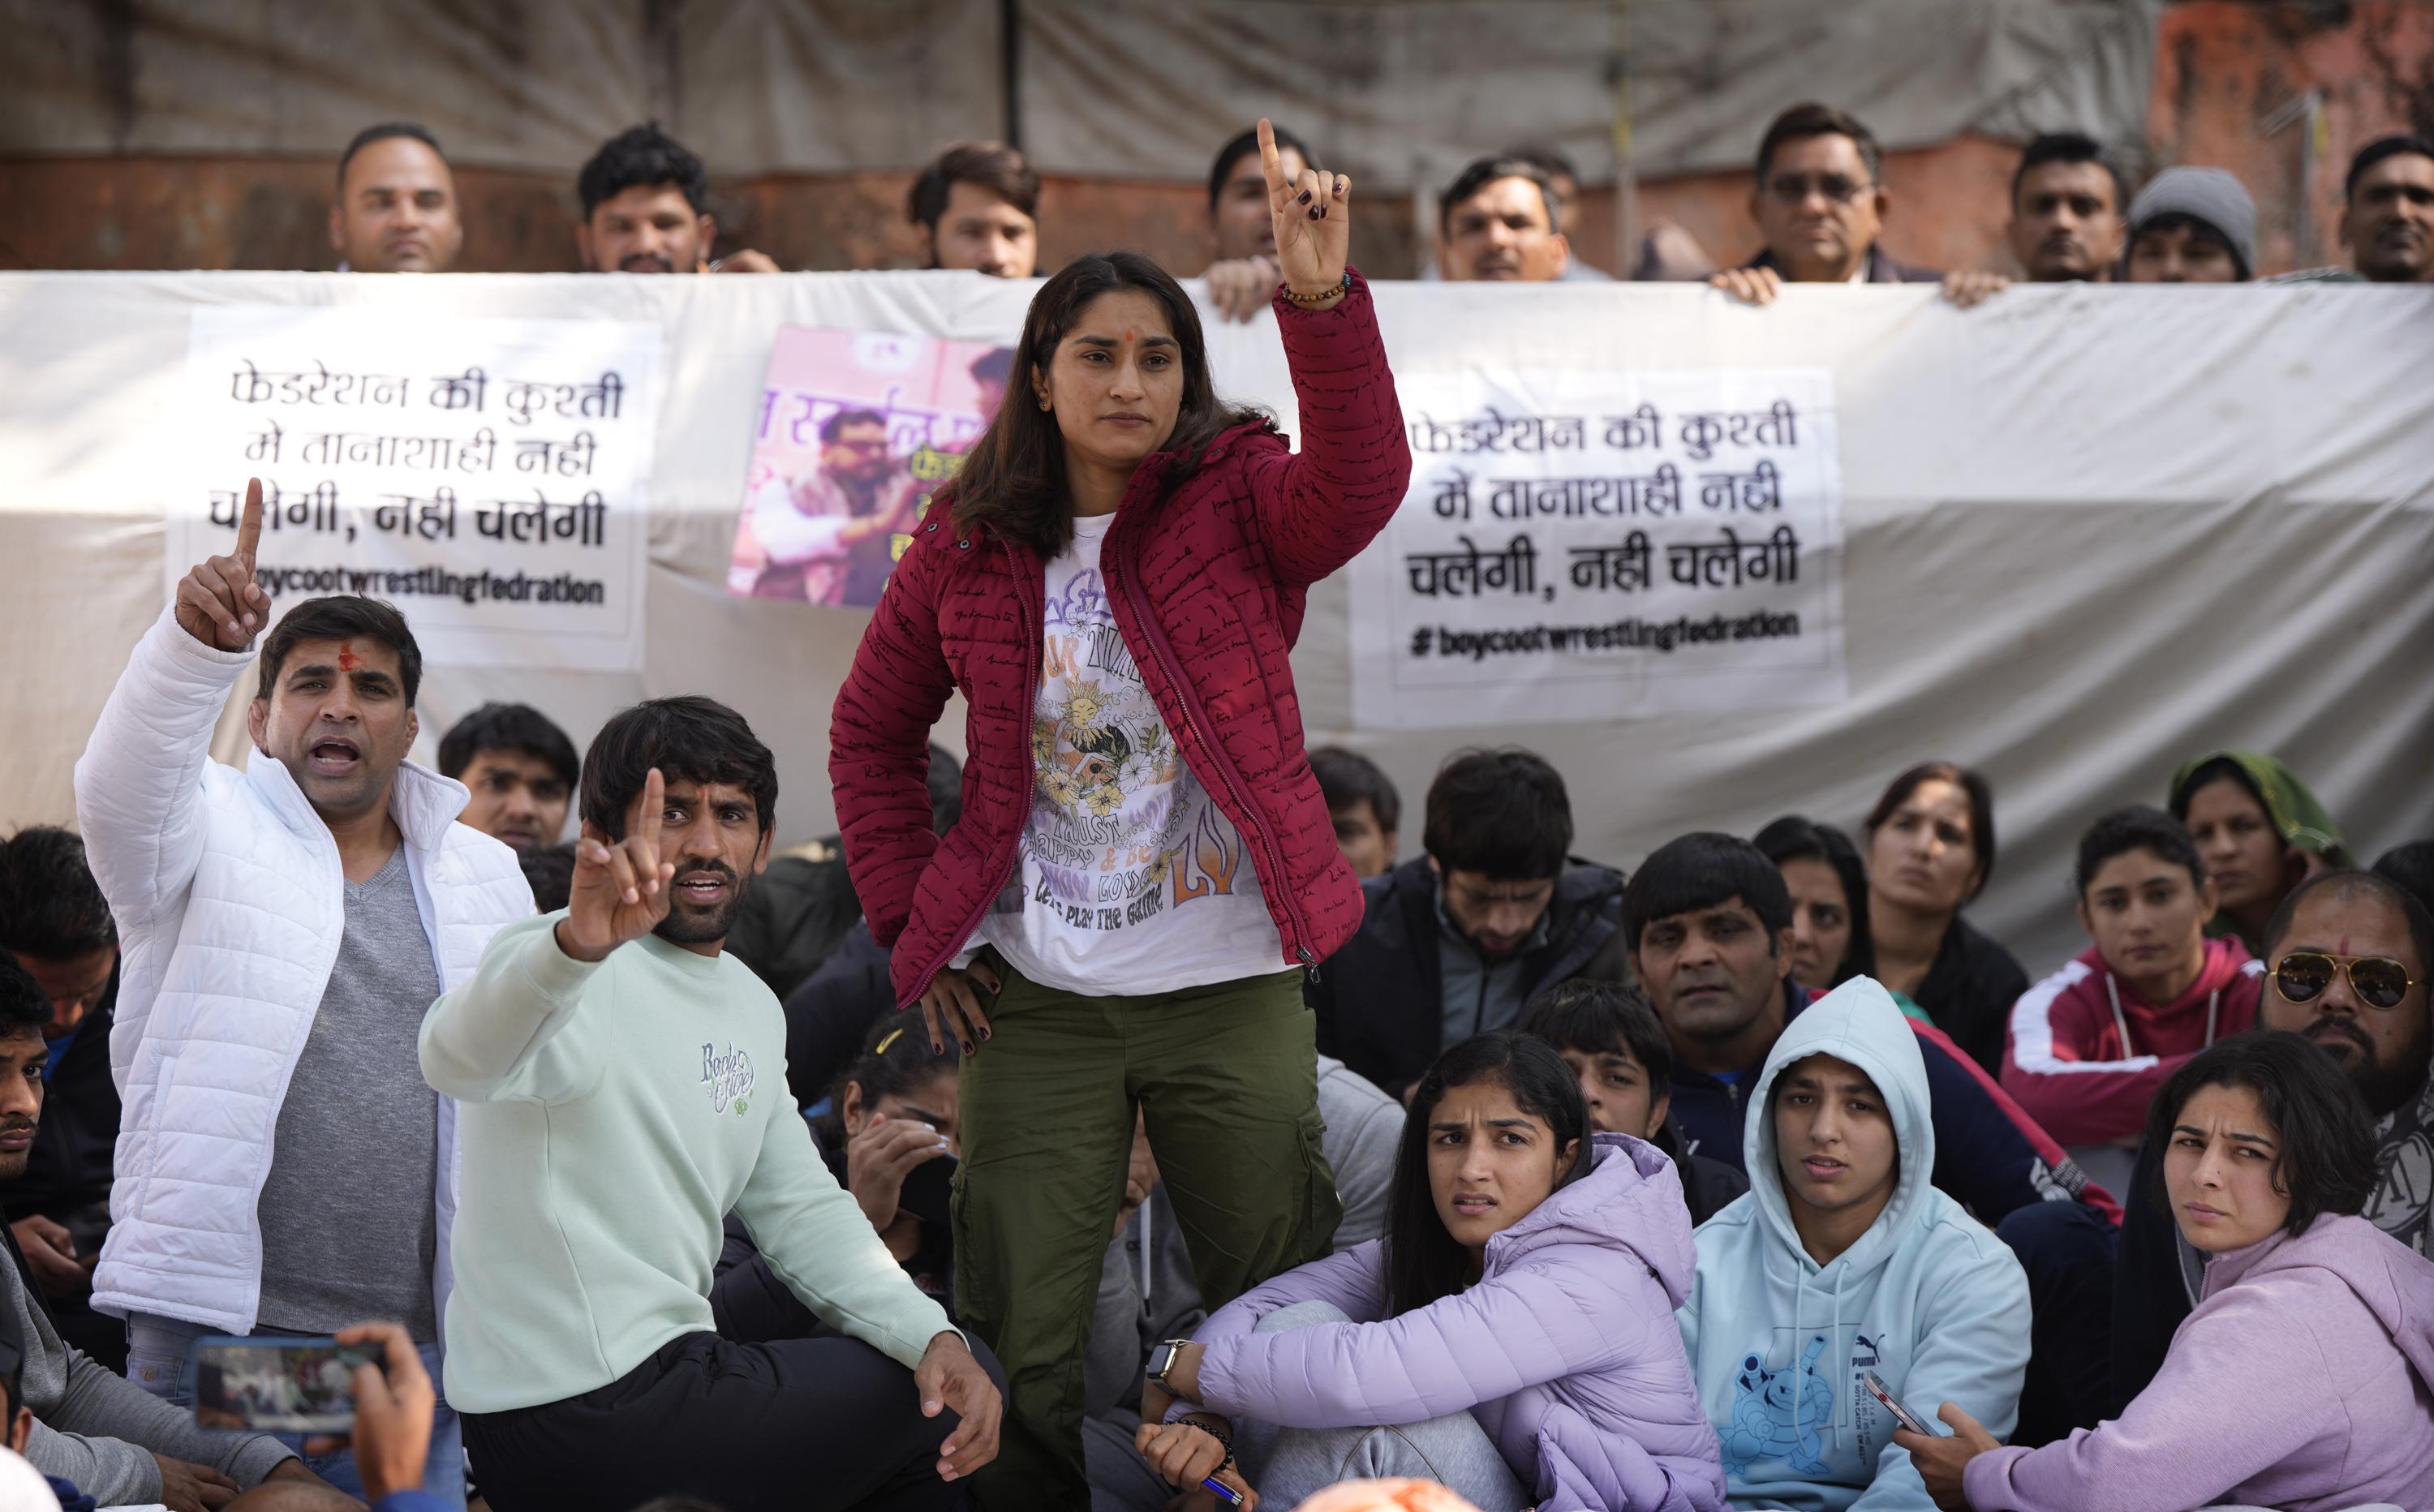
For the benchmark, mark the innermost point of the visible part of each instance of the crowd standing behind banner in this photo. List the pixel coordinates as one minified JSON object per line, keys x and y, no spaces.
{"x":1091,"y":1190}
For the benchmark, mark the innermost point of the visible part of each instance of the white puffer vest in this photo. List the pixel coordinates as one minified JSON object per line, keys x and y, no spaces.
{"x":229,"y":902}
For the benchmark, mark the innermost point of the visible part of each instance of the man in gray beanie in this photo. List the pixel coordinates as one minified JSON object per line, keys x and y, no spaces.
{"x":2191,"y":226}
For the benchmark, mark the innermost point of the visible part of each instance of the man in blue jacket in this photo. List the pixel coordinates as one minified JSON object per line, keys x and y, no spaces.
{"x":1709,"y":923}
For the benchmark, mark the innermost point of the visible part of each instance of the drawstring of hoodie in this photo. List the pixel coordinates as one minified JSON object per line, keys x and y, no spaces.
{"x":2121,"y":1020}
{"x":1799,"y":1335}
{"x":1833,"y":1340}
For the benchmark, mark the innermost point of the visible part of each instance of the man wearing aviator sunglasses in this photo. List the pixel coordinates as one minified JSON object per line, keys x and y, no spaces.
{"x":1819,"y":203}
{"x":2347,"y":956}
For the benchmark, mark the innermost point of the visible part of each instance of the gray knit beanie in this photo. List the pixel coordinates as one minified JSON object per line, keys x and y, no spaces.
{"x":2210,"y":194}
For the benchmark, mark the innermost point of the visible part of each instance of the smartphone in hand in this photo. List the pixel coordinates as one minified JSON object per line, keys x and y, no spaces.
{"x":278,"y":1383}
{"x":1902,"y":1415}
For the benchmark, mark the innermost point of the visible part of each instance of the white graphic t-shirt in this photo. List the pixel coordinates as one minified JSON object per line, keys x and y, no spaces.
{"x":1132,"y":881}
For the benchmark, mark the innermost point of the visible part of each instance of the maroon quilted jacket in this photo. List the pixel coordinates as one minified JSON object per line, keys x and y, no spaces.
{"x":1206,"y":580}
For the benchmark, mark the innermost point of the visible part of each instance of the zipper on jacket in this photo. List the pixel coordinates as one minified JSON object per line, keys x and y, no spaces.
{"x":1225,"y":769}
{"x":1014,"y":863}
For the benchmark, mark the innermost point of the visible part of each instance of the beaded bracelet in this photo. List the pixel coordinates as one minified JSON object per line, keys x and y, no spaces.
{"x":1343,"y":285}
{"x":1211,"y":1430}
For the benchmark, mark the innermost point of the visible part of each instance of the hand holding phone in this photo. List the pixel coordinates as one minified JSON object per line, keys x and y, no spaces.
{"x":1902,"y":1415}
{"x":278,"y":1383}
{"x":394,"y":1398}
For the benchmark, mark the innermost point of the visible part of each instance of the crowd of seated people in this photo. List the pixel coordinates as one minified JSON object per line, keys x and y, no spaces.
{"x":1749,"y":1172}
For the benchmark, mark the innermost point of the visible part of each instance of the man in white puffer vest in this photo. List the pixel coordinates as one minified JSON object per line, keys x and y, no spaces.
{"x":282,"y":1166}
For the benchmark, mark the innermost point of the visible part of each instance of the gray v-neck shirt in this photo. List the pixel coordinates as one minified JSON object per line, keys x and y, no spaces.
{"x":348,"y":1228}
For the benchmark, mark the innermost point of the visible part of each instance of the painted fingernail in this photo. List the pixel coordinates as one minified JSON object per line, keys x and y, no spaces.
{"x":1305,"y":196}
{"x":985,"y":1034}
{"x":967,"y":1046}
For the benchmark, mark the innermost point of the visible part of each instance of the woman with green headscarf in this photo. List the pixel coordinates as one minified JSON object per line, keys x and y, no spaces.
{"x":2259,"y":831}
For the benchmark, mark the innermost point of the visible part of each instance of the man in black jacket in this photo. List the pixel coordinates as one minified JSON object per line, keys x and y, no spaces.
{"x":55,"y":922}
{"x":1454,"y":944}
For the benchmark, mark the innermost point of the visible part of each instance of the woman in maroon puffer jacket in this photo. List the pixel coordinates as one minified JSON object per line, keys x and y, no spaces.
{"x":1145,"y":866}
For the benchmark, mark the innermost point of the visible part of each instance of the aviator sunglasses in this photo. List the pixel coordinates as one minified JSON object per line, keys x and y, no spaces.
{"x":2380,"y":981}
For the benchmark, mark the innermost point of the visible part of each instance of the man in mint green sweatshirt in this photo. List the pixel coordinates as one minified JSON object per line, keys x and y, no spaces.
{"x":623,"y":1088}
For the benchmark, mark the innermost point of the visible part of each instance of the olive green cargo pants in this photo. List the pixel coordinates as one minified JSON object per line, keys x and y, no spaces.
{"x":1225,"y":1077}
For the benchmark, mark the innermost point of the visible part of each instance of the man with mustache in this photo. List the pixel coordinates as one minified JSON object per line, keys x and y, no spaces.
{"x":643,"y":211}
{"x":285,"y":927}
{"x":2347,"y":959}
{"x":2067,"y":226}
{"x":395,"y":207}
{"x":1498,"y":222}
{"x":89,"y":1426}
{"x":2388,"y":211}
{"x":1819,"y":199}
{"x":622,"y":1078}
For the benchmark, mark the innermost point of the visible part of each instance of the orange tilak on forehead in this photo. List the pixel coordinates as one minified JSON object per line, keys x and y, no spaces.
{"x":348,"y":660}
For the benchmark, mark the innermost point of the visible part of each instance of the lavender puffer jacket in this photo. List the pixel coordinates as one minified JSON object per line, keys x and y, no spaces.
{"x":1566,"y":1349}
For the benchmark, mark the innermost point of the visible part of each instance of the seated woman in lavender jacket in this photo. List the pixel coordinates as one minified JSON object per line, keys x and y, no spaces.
{"x":2304,"y":1378}
{"x":1512,"y":1337}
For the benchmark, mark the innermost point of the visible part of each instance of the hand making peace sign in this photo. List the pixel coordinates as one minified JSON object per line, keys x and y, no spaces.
{"x":620,"y":888}
{"x":1314,"y":220}
{"x":218,"y":603}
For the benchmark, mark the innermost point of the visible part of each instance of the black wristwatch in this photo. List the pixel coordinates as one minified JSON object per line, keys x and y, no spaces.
{"x":1162,"y":1358}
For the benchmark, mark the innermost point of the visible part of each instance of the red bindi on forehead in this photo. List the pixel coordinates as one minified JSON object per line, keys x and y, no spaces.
{"x":349,"y":661}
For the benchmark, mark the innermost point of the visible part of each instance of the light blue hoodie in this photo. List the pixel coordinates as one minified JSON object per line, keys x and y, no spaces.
{"x":1927,"y":1299}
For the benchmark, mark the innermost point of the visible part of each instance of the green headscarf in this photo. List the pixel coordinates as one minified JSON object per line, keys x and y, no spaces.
{"x":2293,"y":811}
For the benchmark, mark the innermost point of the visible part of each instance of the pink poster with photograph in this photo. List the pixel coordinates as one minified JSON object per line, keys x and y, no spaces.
{"x":857,"y":430}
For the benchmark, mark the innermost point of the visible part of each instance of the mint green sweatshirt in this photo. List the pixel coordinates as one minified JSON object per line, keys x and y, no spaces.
{"x":610,"y":1116}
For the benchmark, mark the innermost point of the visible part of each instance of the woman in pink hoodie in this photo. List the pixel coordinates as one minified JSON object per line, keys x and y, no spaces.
{"x":2304,"y":1378}
{"x":2089,"y":1046}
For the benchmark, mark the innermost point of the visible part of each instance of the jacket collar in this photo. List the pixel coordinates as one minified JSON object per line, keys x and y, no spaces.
{"x":422,"y":801}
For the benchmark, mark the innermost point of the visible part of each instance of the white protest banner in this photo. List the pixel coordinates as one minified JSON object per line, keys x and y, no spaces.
{"x":1582,"y":546}
{"x":488,"y":475}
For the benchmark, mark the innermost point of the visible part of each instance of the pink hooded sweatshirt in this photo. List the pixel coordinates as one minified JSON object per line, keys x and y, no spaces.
{"x":2303,"y":1380}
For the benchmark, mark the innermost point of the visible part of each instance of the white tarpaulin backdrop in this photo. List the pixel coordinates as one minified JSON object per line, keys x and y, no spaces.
{"x":2087,"y":533}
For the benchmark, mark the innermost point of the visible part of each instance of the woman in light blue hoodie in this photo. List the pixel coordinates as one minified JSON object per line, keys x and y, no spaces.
{"x":1842,"y":1260}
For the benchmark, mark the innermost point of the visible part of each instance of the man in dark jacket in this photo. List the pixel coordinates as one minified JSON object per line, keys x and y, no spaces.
{"x":1453,"y":944}
{"x":1820,"y":201}
{"x":56,"y":923}
{"x":1709,"y":922}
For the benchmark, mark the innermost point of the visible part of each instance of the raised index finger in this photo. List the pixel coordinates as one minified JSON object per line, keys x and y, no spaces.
{"x":249,"y":525}
{"x":1273,"y":165}
{"x":655,"y":808}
